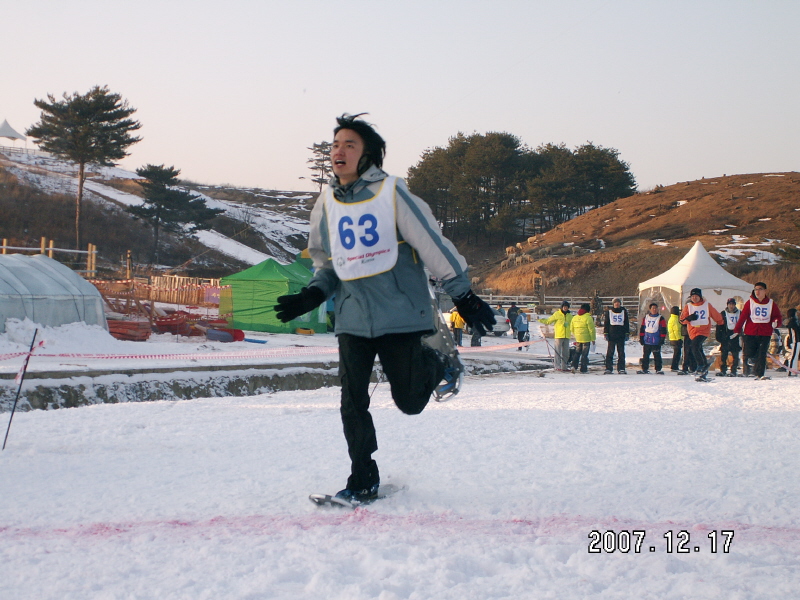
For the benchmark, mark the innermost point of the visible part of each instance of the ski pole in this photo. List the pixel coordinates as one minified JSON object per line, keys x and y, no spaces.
{"x":21,"y":377}
{"x":377,"y":383}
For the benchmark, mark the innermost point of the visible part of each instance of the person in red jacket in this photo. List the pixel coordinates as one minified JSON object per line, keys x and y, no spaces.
{"x":759,"y":315}
{"x":697,"y":315}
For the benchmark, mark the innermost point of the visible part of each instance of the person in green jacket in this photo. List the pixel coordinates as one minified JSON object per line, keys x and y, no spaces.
{"x":675,"y":337}
{"x":562,"y":320}
{"x":582,"y":327}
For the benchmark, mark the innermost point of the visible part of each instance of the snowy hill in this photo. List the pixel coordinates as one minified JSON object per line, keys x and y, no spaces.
{"x":279,"y":217}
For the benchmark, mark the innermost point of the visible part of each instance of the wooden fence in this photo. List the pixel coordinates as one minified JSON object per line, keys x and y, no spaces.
{"x":192,"y":291}
{"x":48,"y":247}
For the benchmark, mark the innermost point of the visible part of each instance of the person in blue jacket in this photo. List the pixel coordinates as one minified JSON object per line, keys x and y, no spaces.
{"x":371,"y":240}
{"x":652,"y":334}
{"x":521,"y":327}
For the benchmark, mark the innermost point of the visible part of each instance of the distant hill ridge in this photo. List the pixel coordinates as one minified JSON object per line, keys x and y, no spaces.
{"x":749,"y":223}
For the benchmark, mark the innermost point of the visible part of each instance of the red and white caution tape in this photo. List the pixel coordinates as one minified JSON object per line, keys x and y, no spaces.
{"x":288,"y":351}
{"x":27,"y":355}
{"x":777,"y":361}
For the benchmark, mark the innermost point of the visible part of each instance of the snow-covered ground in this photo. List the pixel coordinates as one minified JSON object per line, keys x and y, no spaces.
{"x":504,"y":486}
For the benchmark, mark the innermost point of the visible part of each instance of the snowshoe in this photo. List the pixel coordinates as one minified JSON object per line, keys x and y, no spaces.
{"x":358,"y":496}
{"x":442,"y":341}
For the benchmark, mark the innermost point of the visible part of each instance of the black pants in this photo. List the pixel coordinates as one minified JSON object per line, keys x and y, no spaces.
{"x":521,"y":337}
{"x":458,"y":334}
{"x":699,"y":355}
{"x":656,"y":352}
{"x":677,"y":346}
{"x":729,"y":347}
{"x":582,"y":355}
{"x":413,"y":371}
{"x":689,"y":362}
{"x":755,"y":349}
{"x":619,"y":346}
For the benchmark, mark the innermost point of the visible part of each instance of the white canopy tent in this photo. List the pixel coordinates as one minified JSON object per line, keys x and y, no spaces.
{"x":46,"y":292}
{"x":6,"y":131}
{"x":695,"y":270}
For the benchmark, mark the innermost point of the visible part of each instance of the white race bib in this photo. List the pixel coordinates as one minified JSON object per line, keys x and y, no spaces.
{"x":363,"y":235}
{"x":615,"y":318}
{"x":760,"y":313}
{"x":701,"y":312}
{"x":651,"y":323}
{"x":732,"y":318}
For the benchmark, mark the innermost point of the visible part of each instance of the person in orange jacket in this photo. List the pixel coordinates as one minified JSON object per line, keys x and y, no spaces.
{"x":697,"y":315}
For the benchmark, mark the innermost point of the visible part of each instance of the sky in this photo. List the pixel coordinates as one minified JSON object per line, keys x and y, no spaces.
{"x":236,"y":92}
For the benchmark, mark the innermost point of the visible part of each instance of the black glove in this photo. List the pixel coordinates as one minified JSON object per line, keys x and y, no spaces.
{"x":292,"y":306}
{"x":475,"y":312}
{"x":692,"y":317}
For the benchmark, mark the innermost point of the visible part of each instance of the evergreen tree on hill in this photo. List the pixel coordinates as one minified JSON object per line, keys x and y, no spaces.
{"x":483,"y":185}
{"x":320,"y":163}
{"x":91,"y":128}
{"x":169,"y":208}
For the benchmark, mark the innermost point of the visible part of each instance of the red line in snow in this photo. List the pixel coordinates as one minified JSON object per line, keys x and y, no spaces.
{"x":445,"y":524}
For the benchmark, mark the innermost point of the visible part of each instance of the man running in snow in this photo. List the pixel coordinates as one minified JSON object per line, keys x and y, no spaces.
{"x":652,"y":334}
{"x":697,"y":315}
{"x":728,"y":345}
{"x":616,"y":331}
{"x":759,"y":315}
{"x":370,"y":241}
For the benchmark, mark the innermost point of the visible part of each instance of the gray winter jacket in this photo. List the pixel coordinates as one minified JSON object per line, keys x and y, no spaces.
{"x":397,"y":301}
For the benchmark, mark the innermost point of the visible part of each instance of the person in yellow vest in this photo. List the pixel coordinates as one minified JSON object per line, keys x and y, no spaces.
{"x":561,"y":319}
{"x":582,"y":327}
{"x":457,"y":325}
{"x":675,"y":337}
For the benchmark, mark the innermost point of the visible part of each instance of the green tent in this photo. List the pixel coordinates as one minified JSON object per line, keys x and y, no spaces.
{"x":248,"y":302}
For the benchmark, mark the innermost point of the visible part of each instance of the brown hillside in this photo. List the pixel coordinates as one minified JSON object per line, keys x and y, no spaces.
{"x":611,"y":249}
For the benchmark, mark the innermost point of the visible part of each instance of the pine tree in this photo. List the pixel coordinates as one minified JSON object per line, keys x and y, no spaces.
{"x":170,"y":208}
{"x":93,"y":128}
{"x":320,"y":163}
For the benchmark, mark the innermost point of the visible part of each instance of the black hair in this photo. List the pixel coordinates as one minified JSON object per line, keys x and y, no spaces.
{"x":374,"y":144}
{"x":675,"y":310}
{"x":652,"y":304}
